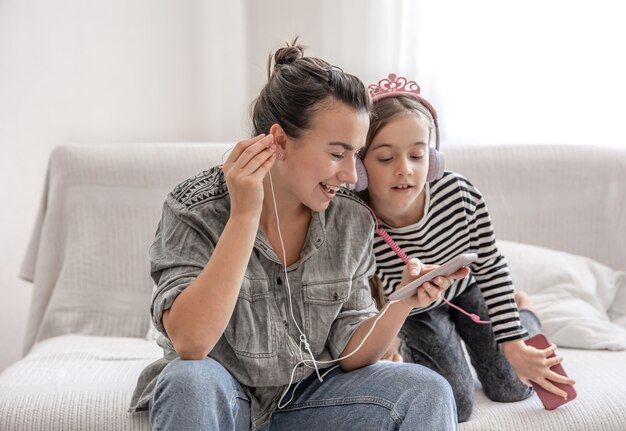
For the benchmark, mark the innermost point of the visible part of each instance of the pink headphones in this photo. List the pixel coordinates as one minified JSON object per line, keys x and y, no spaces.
{"x":395,"y":86}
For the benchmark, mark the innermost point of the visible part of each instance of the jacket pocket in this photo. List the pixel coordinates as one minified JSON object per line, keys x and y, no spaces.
{"x":322,"y":304}
{"x":250,"y":331}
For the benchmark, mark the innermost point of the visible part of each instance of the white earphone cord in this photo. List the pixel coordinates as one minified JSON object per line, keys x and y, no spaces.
{"x":303,"y":338}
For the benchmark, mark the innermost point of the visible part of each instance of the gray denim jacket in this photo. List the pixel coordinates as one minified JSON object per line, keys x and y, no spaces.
{"x":329,"y":289}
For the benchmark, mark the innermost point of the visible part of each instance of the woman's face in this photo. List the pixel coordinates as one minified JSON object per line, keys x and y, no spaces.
{"x":320,"y":161}
{"x":397,"y":166}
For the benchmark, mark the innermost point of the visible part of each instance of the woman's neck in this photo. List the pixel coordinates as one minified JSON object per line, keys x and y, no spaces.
{"x":294,"y":220}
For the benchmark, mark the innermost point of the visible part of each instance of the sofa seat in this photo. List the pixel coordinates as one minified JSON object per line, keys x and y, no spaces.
{"x":76,"y":382}
{"x":84,"y":382}
{"x":600,"y":404}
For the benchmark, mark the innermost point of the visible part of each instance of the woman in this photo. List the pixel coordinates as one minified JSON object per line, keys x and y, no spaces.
{"x":262,"y":271}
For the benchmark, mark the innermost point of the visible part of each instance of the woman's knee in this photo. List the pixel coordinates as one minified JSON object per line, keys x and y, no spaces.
{"x":198,"y":395}
{"x":407,"y":378}
{"x":464,"y":407}
{"x":193,"y":378}
{"x":427,"y":398}
{"x":461,"y":382}
{"x":458,"y":390}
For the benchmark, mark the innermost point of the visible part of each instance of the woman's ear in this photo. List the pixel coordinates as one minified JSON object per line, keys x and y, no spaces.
{"x":280,"y":137}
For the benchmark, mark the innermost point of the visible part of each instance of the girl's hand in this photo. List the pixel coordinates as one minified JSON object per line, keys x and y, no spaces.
{"x":244,"y":169}
{"x":533,"y":364}
{"x":430,"y":291}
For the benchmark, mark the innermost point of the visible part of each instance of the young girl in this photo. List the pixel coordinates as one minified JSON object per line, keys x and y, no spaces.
{"x":262,"y":271}
{"x":434,"y":216}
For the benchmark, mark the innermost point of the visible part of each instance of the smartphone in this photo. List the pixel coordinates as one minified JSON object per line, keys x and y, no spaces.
{"x":450,"y":267}
{"x":548,"y":399}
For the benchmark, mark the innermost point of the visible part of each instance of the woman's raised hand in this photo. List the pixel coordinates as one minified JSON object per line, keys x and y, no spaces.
{"x":244,"y":169}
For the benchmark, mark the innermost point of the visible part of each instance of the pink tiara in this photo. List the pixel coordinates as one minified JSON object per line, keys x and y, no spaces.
{"x":393,"y":86}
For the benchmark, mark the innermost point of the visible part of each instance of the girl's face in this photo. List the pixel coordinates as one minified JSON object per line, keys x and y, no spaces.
{"x":320,"y":161}
{"x":397,"y":166}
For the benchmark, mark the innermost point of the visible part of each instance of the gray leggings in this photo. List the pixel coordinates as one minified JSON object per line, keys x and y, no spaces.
{"x":433,"y":339}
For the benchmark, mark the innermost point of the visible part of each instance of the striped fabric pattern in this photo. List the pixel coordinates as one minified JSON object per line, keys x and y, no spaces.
{"x":455,"y":221}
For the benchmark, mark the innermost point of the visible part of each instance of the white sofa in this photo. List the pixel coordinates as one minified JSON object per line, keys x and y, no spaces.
{"x":88,"y":259}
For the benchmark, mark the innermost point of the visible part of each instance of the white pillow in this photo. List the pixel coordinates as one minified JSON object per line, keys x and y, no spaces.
{"x":572,"y":294}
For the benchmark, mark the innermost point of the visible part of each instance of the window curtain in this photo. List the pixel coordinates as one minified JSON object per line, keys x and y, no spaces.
{"x":546,"y":71}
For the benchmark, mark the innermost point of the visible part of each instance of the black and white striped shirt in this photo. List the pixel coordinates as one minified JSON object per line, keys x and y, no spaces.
{"x":455,"y":221}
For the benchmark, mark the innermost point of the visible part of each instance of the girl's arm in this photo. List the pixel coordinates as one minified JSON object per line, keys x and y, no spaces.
{"x":200,"y":313}
{"x":534,"y":364}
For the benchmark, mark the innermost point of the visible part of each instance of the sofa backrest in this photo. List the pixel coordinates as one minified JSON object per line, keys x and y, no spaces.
{"x":88,"y":255}
{"x":569,"y":198}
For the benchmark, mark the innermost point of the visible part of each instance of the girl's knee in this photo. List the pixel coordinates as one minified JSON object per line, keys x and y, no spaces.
{"x":509,"y":393}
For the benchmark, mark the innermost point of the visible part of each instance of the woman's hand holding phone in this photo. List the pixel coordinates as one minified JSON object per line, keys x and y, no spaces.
{"x":430,"y":291}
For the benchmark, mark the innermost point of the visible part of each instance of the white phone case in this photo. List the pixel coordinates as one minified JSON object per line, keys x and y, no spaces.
{"x":447,"y":268}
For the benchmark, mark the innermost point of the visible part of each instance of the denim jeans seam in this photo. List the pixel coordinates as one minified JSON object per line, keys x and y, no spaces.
{"x":395,"y":416}
{"x":384,"y":403}
{"x":342,"y":401}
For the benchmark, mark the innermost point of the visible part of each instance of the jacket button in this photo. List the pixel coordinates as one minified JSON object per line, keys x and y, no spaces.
{"x":335,"y":296}
{"x":279,"y":281}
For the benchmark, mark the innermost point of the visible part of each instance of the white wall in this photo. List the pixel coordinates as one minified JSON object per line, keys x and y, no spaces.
{"x":104,"y":71}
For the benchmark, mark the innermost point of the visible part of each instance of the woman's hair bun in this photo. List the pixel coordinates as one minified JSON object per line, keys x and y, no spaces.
{"x":289,"y":54}
{"x":296,"y":85}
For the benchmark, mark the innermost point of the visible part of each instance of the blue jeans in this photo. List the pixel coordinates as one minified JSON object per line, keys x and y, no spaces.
{"x":202,"y":395}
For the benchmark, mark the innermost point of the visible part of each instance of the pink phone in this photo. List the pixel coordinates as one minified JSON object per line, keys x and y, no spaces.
{"x":549,"y":400}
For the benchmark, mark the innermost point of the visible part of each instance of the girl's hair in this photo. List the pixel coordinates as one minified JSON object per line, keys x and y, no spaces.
{"x":384,"y":111}
{"x":297,"y":85}
{"x":390,"y":108}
